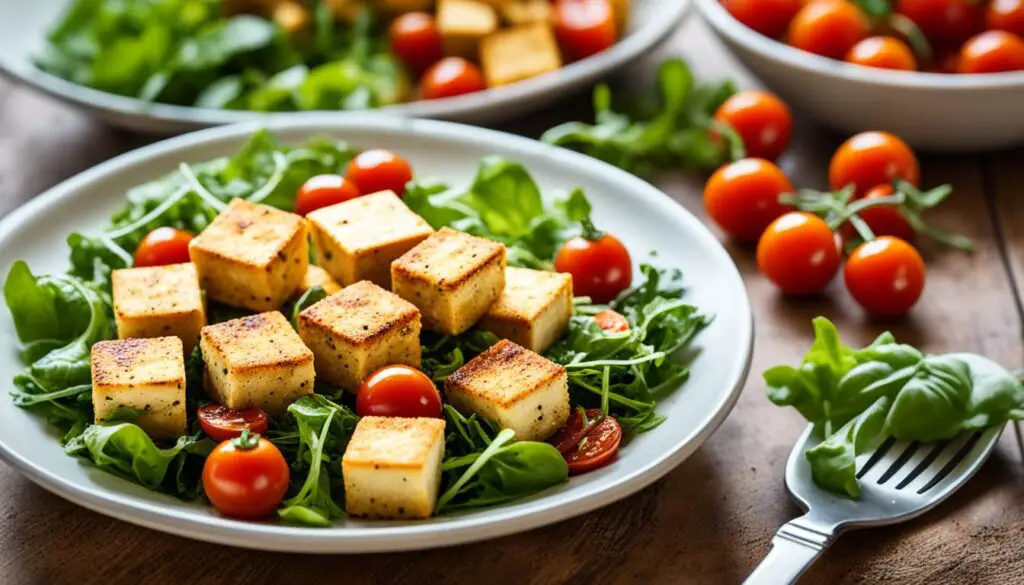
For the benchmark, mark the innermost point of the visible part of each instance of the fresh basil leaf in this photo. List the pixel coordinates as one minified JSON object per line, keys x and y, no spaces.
{"x":833,"y":461}
{"x":996,"y":395}
{"x":932,"y":405}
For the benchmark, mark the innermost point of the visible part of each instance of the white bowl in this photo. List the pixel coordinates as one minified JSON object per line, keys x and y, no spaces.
{"x":931,"y":111}
{"x":23,"y":26}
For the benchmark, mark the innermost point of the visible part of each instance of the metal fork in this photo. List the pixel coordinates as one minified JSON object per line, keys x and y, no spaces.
{"x":899,"y":480}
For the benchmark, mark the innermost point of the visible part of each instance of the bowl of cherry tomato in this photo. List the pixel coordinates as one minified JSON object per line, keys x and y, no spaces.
{"x":945,"y":75}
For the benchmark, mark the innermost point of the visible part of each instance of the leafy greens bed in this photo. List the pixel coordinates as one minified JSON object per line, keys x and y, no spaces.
{"x":58,"y":317}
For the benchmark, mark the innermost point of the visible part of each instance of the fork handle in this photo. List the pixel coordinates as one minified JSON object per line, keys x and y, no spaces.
{"x":795,"y":546}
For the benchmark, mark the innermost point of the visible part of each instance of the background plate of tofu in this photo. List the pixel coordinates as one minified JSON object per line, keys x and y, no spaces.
{"x":642,"y":217}
{"x":522,"y":70}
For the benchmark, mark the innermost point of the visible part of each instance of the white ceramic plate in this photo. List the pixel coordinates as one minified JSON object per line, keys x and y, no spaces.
{"x":23,"y":26}
{"x":643,"y":217}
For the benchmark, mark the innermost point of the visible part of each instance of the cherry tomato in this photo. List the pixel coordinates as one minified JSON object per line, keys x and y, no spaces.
{"x":944,"y":20}
{"x":601,"y":443}
{"x":322,"y":191}
{"x":886,"y":220}
{"x":450,"y":77}
{"x":600,"y":269}
{"x":883,"y":53}
{"x":221,"y":423}
{"x":584,"y":27}
{"x":416,"y":40}
{"x":768,"y":17}
{"x":885,"y":276}
{"x":870,"y":159}
{"x":992,"y":51}
{"x":1006,"y":15}
{"x":246,"y":477}
{"x":379,"y":170}
{"x":828,"y":27}
{"x":163,"y":246}
{"x":612,"y":321}
{"x":798,"y":253}
{"x":743,"y":197}
{"x":400,"y":391}
{"x":762,"y":120}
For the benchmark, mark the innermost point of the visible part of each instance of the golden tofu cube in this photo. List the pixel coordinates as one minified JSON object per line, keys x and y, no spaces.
{"x":463,"y":24}
{"x":359,"y":330}
{"x":258,"y":360}
{"x":316,"y":276}
{"x":251,"y":256}
{"x":145,"y":375}
{"x":452,"y":277}
{"x":533,"y":310}
{"x":514,"y":387}
{"x":158,"y":301}
{"x":392,"y":467}
{"x":518,"y":53}
{"x":360,"y":238}
{"x":517,"y":12}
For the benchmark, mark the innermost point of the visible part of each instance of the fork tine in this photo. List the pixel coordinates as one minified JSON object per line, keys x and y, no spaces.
{"x":898,"y":457}
{"x":872,"y":459}
{"x":921,"y":461}
{"x":957,"y":454}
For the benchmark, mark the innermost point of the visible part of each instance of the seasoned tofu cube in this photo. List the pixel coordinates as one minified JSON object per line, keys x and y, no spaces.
{"x":463,"y":24}
{"x":514,"y":387}
{"x":533,"y":310}
{"x":316,"y":276}
{"x":359,"y":330}
{"x":258,"y":360}
{"x":145,"y":375}
{"x":158,"y":301}
{"x":516,"y":12}
{"x":452,"y":277}
{"x":251,"y":256}
{"x":518,"y":53}
{"x":392,"y":467}
{"x":358,"y":239}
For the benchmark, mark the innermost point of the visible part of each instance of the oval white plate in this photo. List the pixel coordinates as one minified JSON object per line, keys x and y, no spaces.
{"x":23,"y":26}
{"x":643,"y":217}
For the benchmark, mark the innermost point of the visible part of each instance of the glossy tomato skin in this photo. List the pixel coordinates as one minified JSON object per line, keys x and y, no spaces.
{"x":611,"y":321}
{"x":870,"y":159}
{"x":798,"y":253}
{"x":829,"y":28}
{"x":323,"y":191}
{"x":379,"y":170}
{"x":886,"y":276}
{"x":1006,"y":15}
{"x":743,"y":197}
{"x":950,"y":21}
{"x":584,"y":27}
{"x":886,"y":220}
{"x":883,"y":53}
{"x":762,"y":120}
{"x":163,"y":246}
{"x":600,"y":269}
{"x":221,"y":423}
{"x":450,"y":77}
{"x":992,"y":51}
{"x":401,"y":391}
{"x":414,"y":37}
{"x":768,"y":17}
{"x":246,"y":483}
{"x":600,"y":449}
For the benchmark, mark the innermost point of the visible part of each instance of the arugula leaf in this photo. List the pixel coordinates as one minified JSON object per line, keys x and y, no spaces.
{"x":443,"y":354}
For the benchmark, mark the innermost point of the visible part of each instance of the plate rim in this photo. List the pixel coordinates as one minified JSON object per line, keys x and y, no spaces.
{"x":410,"y":536}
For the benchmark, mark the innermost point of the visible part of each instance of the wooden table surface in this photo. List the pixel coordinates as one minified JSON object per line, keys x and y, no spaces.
{"x":710,"y":520}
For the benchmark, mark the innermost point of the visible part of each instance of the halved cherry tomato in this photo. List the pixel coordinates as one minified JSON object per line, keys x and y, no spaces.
{"x":762,"y":120}
{"x":612,"y":321}
{"x":584,"y":27}
{"x":246,"y":477}
{"x":886,"y":220}
{"x":322,"y":191}
{"x":1006,"y":15}
{"x":600,"y":269}
{"x":870,"y":159}
{"x":221,"y":423}
{"x":450,"y":77}
{"x":883,"y":53}
{"x":798,"y":253}
{"x":163,"y":246}
{"x":416,"y":40}
{"x":398,"y":390}
{"x":885,"y":276}
{"x":768,"y":17}
{"x":828,"y":27}
{"x":379,"y":170}
{"x":587,"y":447}
{"x":992,"y":51}
{"x":743,"y":197}
{"x":944,"y":20}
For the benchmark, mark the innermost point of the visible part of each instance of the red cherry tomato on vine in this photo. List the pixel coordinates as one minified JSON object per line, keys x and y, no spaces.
{"x":379,"y":170}
{"x":1006,"y":15}
{"x":584,"y":27}
{"x":612,"y":321}
{"x":600,"y":269}
{"x":762,"y":120}
{"x":944,"y":20}
{"x":870,"y":159}
{"x":828,"y":27}
{"x":743,"y":197}
{"x":885,"y":276}
{"x":246,"y":478}
{"x":163,"y":246}
{"x":450,"y":77}
{"x":601,"y":444}
{"x":322,"y":191}
{"x":416,"y":40}
{"x":768,"y":17}
{"x":400,"y":391}
{"x":798,"y":253}
{"x":992,"y":51}
{"x":221,"y":423}
{"x":886,"y":220}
